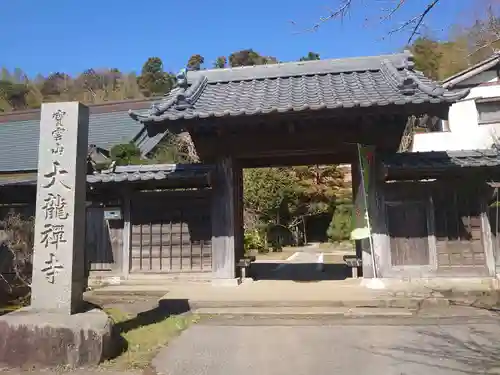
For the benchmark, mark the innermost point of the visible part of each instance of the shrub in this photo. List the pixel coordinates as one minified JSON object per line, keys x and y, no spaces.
{"x":126,"y":154}
{"x":253,"y":240}
{"x":340,"y":226}
{"x":19,"y":241}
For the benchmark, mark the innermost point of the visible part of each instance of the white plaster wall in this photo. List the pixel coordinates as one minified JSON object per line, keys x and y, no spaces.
{"x":465,"y":132}
{"x":448,"y":141}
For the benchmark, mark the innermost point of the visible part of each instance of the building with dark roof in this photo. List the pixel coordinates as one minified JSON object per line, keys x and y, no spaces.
{"x":110,"y":125}
{"x":473,"y":121}
{"x":174,"y":219}
{"x":324,"y":88}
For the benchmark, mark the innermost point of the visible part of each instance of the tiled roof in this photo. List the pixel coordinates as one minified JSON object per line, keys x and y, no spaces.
{"x":442,"y":160}
{"x":298,"y":86}
{"x":19,"y":134}
{"x":472,"y":71}
{"x":134,"y":173}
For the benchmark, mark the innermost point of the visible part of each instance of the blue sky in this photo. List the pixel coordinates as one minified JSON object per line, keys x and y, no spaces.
{"x":71,"y":36}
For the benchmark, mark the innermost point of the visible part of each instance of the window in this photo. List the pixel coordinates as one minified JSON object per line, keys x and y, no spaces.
{"x":488,"y":111}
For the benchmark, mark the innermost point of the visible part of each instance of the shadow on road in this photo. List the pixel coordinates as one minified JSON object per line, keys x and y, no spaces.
{"x":299,"y":271}
{"x":475,"y":352}
{"x":165,"y":308}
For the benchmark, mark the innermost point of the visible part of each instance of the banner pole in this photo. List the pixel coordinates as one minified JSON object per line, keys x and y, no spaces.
{"x":363,"y":187}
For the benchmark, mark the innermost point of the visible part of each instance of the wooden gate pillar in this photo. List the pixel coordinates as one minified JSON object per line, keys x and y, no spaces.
{"x":227,"y":220}
{"x":376,"y":214}
{"x":355,"y":183}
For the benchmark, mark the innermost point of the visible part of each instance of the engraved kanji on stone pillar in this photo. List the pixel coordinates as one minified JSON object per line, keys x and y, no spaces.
{"x":58,"y":265}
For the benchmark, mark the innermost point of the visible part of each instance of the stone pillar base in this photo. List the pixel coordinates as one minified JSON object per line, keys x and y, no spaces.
{"x":30,"y":337}
{"x":226,"y":282}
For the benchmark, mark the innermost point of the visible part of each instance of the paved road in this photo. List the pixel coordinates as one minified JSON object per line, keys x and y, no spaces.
{"x":335,"y":348}
{"x":303,"y":266}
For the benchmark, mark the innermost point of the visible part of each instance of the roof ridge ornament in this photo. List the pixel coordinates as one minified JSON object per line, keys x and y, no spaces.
{"x":181,"y":97}
{"x":188,"y":95}
{"x":404,"y":83}
{"x":410,"y":59}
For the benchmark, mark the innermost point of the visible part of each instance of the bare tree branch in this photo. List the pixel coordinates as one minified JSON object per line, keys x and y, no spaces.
{"x":394,"y":10}
{"x":341,"y":12}
{"x":485,"y":34}
{"x":421,"y":19}
{"x":415,"y":23}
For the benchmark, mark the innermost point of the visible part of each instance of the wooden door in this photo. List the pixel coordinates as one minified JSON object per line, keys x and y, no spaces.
{"x":103,"y":242}
{"x":459,"y":233}
{"x":171,"y":232}
{"x":409,"y":233}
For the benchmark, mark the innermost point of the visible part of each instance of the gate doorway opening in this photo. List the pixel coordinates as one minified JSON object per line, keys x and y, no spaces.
{"x":297,"y":222}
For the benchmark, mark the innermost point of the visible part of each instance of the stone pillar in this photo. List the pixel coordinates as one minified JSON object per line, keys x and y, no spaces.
{"x":56,"y":330}
{"x":227,"y":223}
{"x":58,"y":264}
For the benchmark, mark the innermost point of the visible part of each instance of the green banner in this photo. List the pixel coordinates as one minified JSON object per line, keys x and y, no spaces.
{"x":360,"y":218}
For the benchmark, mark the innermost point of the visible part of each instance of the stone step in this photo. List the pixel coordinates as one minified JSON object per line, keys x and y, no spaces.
{"x":96,"y":281}
{"x":301,"y":312}
{"x":368,"y":303}
{"x":345,"y":316}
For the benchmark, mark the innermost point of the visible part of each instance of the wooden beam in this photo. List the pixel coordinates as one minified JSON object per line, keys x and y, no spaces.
{"x":313,"y":137}
{"x":296,"y":160}
{"x":327,"y":115}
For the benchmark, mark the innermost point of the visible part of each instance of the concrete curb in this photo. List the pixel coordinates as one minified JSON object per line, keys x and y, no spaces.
{"x":293,"y":256}
{"x":300,"y":313}
{"x":405,"y":303}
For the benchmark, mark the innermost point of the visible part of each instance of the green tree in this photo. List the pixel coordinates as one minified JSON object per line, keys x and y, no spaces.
{"x":153,"y":80}
{"x":195,"y":62}
{"x":14,"y":94}
{"x":249,"y":57}
{"x":340,"y":226}
{"x":428,"y":56}
{"x":56,"y":85}
{"x":316,"y":188}
{"x":268,"y":192}
{"x":220,"y":62}
{"x":310,"y":57}
{"x":126,"y":154}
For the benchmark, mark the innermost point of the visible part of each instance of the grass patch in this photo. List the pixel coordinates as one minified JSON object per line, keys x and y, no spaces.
{"x":7,"y":309}
{"x":144,"y":341}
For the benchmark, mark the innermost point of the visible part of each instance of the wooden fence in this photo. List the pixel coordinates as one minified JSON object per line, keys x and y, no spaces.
{"x":170,"y":232}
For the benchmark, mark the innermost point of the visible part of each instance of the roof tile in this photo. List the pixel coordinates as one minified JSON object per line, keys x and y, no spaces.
{"x":133,"y":173}
{"x":299,"y":86}
{"x":19,"y":139}
{"x":442,"y":159}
